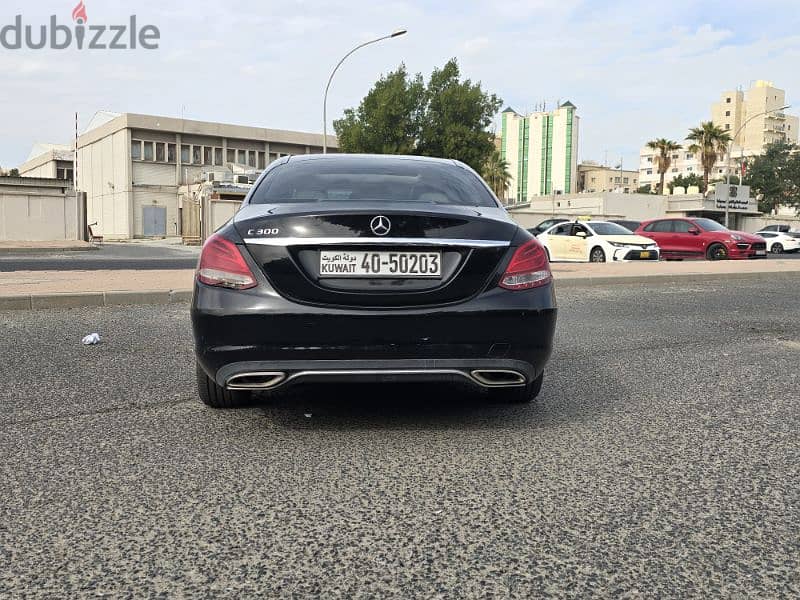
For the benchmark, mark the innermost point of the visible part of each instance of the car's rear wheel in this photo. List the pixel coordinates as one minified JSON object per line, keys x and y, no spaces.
{"x":217,"y":396}
{"x":518,"y":395}
{"x":717,"y":252}
{"x":777,"y":248}
{"x":597,"y":255}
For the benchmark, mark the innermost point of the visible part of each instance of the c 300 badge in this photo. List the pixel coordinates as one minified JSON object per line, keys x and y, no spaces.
{"x":273,"y":231}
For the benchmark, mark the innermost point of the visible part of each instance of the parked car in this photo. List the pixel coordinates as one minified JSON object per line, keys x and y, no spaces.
{"x":632,"y":225}
{"x":780,"y":242}
{"x":778,"y":227}
{"x":371,"y":268}
{"x":546,"y":224}
{"x":596,"y":241}
{"x":681,"y":238}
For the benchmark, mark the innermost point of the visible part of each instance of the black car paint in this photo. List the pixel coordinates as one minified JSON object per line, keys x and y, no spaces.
{"x":291,"y":319}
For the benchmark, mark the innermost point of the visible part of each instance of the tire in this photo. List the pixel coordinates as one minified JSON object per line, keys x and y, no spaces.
{"x":777,"y":248}
{"x":518,"y":395}
{"x":597,"y":255}
{"x":717,"y":252}
{"x":218,"y":397}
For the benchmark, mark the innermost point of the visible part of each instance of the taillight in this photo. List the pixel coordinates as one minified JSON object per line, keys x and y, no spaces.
{"x":222,"y":265}
{"x":529,"y":268}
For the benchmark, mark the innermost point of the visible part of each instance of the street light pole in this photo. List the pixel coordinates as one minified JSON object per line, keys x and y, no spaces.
{"x":394,"y":34}
{"x":730,"y":150}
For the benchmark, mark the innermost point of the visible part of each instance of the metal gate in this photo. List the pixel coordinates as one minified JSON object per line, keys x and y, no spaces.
{"x":154,"y":221}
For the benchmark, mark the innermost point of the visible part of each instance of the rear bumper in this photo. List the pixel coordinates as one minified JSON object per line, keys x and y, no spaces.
{"x":258,"y":331}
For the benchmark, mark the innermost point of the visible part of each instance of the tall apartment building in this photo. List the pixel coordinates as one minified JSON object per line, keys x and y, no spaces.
{"x":541,"y":150}
{"x":737,"y":108}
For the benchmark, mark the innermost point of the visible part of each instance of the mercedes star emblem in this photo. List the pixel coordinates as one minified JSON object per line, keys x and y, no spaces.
{"x":380,"y":225}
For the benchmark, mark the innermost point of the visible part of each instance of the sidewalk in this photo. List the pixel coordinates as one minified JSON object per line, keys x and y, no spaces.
{"x":42,"y":289}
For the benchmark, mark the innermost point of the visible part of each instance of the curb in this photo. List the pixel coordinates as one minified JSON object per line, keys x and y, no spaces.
{"x":15,"y":251}
{"x":93,"y":299}
{"x":126,"y":298}
{"x":678,"y":278}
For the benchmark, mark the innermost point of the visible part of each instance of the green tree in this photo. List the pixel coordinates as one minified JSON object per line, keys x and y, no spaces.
{"x":13,"y":173}
{"x":712,"y":144}
{"x":686,"y":181}
{"x":774,"y":176}
{"x":644,"y":189}
{"x":447,"y":118}
{"x":387,"y":120}
{"x":458,"y":115}
{"x":663,"y":157}
{"x":495,"y":172}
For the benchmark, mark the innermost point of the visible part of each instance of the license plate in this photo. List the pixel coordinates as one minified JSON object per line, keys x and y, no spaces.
{"x":341,"y":263}
{"x":761,"y":252}
{"x":644,"y":254}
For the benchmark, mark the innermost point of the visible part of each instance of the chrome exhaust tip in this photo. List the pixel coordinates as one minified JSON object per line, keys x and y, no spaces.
{"x":498,"y":377}
{"x":261,"y":380}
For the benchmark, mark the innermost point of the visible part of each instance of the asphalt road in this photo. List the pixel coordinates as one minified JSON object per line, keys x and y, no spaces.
{"x":113,"y":256}
{"x":662,"y":460}
{"x":108,"y":256}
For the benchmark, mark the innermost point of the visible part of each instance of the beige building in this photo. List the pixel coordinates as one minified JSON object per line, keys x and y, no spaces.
{"x":594,"y":177}
{"x":53,"y":161}
{"x":730,"y":113}
{"x":131,"y":166}
{"x":744,"y":110}
{"x":542,"y":152}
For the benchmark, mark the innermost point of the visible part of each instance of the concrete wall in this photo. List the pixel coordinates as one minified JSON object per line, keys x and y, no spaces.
{"x":32,"y":211}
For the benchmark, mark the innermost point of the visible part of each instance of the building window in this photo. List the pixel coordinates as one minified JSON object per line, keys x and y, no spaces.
{"x":171,"y":153}
{"x":161,"y":149}
{"x":649,"y":171}
{"x":197,"y":155}
{"x":186,"y":154}
{"x":593,"y":179}
{"x":136,"y":150}
{"x":59,"y":173}
{"x":251,"y":158}
{"x":727,"y":113}
{"x":241,"y":157}
{"x":727,"y":126}
{"x":728,"y":100}
{"x":231,"y":155}
{"x":218,"y":156}
{"x":70,"y":175}
{"x":675,"y":170}
{"x":262,"y":160}
{"x":649,"y":159}
{"x":616,"y":179}
{"x":674,"y":157}
{"x":690,"y":168}
{"x":148,"y":150}
{"x":207,"y":150}
{"x":689,"y":156}
{"x":625,"y":180}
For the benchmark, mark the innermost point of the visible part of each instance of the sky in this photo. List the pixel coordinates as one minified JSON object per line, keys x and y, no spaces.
{"x":635,"y":70}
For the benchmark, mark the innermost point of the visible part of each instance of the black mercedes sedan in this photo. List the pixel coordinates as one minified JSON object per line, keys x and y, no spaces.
{"x":346,"y":267}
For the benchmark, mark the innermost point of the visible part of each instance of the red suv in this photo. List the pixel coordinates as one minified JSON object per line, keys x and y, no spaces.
{"x":701,"y":238}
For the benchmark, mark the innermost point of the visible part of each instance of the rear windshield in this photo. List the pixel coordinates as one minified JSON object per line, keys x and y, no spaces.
{"x":371,"y":180}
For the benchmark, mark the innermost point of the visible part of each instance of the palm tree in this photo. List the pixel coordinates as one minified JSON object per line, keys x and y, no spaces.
{"x":663,"y":157}
{"x":495,"y":172}
{"x":712,"y":143}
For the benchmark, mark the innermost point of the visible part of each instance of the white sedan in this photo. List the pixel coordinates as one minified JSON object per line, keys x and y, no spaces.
{"x":779,"y":242}
{"x":596,"y":241}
